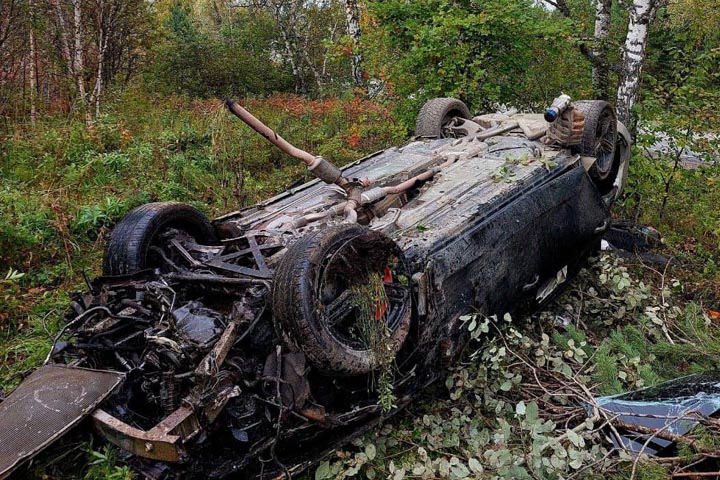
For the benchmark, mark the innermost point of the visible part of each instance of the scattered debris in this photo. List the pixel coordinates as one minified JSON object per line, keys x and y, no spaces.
{"x":655,"y":420}
{"x":628,"y":239}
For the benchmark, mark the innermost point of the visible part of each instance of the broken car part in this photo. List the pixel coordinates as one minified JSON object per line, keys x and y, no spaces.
{"x":45,"y":406}
{"x":654,"y":420}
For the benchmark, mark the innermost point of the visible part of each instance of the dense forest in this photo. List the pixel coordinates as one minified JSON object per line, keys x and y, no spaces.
{"x":109,"y":104}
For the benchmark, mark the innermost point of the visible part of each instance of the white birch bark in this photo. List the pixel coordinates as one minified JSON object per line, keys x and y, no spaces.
{"x":641,"y":15}
{"x":308,"y":60}
{"x":33,"y":74}
{"x":600,"y":69}
{"x":78,"y":65}
{"x":290,"y":55}
{"x":280,"y":13}
{"x":352,"y":15}
{"x":102,"y":44}
{"x":64,"y":41}
{"x":97,"y":90}
{"x":331,"y":36}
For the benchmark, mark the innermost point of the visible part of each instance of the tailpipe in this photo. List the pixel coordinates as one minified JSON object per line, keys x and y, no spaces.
{"x":321,"y":168}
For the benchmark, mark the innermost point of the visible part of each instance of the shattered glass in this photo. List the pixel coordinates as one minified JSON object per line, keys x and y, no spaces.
{"x":670,"y":409}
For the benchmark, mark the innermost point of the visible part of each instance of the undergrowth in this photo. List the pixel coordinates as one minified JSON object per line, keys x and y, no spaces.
{"x":371,"y":303}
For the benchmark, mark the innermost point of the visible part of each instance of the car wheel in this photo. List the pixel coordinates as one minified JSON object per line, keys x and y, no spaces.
{"x":599,"y":139}
{"x":436,"y":114}
{"x":342,"y":297}
{"x":129,"y":249}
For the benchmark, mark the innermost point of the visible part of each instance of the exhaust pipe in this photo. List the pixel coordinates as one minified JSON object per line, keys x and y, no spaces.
{"x":321,"y":168}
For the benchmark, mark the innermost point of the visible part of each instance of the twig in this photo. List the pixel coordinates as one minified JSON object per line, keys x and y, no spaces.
{"x":657,"y":432}
{"x":653,"y":433}
{"x":586,"y":467}
{"x":696,"y":474}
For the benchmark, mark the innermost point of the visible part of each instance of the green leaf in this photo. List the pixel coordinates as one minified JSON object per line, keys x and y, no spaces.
{"x":459,"y":471}
{"x":473,"y":324}
{"x":531,"y":412}
{"x":370,"y":451}
{"x":475,"y":465}
{"x":323,"y":471}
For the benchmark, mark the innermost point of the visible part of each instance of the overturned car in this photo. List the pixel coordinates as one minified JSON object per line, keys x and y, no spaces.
{"x":259,"y":341}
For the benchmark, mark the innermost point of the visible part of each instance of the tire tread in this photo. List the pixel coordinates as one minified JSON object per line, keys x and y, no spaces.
{"x":429,"y":120}
{"x":125,"y":251}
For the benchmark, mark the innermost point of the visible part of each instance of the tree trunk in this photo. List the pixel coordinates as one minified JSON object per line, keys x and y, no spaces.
{"x":641,"y":15}
{"x":601,"y":67}
{"x":308,"y":60}
{"x":97,"y":91}
{"x":64,"y":42}
{"x":352,"y":15}
{"x":284,"y":16}
{"x":102,"y":44}
{"x":78,"y":66}
{"x":290,"y":54}
{"x":8,"y":21}
{"x":33,"y":73}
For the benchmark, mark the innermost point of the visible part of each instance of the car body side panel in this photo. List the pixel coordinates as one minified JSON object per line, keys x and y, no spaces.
{"x":497,"y":263}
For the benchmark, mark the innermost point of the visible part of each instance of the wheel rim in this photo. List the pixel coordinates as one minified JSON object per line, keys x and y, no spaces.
{"x":605,"y":133}
{"x":363,"y":293}
{"x":447,"y":119}
{"x":161,"y":255}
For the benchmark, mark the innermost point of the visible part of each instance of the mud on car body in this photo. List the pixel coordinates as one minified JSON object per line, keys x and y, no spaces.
{"x":259,"y":341}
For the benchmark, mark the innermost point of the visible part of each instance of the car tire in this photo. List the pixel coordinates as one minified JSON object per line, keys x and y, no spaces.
{"x":301,"y":315}
{"x":436,"y":113}
{"x":128,"y":250}
{"x":599,"y":140}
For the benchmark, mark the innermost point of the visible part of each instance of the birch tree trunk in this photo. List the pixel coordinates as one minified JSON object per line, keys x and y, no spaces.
{"x":64,"y":42}
{"x":352,"y":15}
{"x":97,"y":91}
{"x":78,"y":66}
{"x":601,"y":67}
{"x":102,"y":43}
{"x":641,"y":15}
{"x":290,"y":55}
{"x":309,"y":61}
{"x":33,"y":73}
{"x":284,"y":20}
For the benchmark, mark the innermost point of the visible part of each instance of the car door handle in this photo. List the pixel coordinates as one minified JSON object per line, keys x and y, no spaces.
{"x":530,"y":285}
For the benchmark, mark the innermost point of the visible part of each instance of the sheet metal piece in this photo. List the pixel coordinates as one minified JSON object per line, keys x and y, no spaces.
{"x":163,"y":442}
{"x":674,"y":407}
{"x":52,"y":400}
